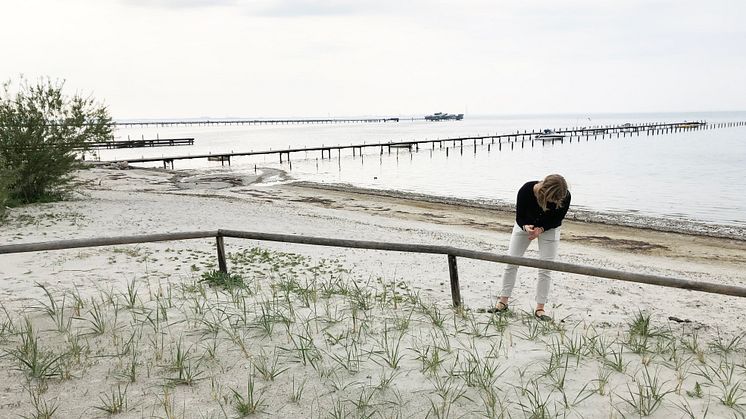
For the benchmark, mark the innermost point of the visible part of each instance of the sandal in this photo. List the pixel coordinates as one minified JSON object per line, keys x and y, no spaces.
{"x":543,"y":317}
{"x":500,"y":307}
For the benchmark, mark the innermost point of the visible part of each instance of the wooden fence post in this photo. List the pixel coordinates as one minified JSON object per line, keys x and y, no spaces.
{"x":221,"y":254}
{"x":455,"y":288}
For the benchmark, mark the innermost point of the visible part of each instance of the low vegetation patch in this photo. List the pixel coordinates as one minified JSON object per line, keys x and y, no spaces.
{"x":224,"y":280}
{"x":289,"y":336}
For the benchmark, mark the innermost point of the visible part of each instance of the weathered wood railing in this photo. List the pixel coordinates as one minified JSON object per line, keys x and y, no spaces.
{"x":451,"y":252}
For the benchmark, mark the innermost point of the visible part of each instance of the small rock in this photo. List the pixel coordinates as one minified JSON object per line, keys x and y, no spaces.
{"x":678,"y":320}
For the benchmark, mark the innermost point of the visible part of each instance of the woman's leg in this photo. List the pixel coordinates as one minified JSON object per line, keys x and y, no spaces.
{"x":518,"y":244}
{"x":548,"y":244}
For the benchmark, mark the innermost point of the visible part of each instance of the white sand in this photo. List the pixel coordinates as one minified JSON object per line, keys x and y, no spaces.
{"x":144,"y":202}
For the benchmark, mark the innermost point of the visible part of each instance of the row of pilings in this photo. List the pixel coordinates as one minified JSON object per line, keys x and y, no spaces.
{"x":512,"y":140}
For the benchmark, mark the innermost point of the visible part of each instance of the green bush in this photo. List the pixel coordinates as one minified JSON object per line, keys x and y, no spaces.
{"x":42,"y":132}
{"x":4,"y":181}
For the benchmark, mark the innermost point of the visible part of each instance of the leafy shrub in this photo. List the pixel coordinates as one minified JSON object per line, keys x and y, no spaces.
{"x":4,"y":182}
{"x":41,"y":133}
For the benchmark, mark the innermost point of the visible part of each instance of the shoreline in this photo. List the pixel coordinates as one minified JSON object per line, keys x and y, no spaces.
{"x":587,"y":229}
{"x":623,"y":241}
{"x":660,"y":224}
{"x":612,"y":219}
{"x":484,"y":226}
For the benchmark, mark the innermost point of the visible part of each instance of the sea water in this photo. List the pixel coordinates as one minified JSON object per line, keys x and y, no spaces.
{"x":689,"y":178}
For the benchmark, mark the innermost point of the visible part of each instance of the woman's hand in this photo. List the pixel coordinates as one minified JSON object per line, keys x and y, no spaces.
{"x":533,"y":232}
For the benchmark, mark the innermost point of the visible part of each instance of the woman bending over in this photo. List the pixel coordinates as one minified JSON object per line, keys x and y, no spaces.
{"x":540,"y":208}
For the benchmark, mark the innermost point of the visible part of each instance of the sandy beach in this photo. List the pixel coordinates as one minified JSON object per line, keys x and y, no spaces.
{"x":525,"y":377}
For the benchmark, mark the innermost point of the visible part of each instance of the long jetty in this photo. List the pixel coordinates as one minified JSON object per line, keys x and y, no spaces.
{"x":500,"y":140}
{"x":187,"y":122}
{"x":158,"y":142}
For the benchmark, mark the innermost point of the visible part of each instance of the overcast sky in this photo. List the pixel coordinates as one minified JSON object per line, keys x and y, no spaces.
{"x":264,"y":58}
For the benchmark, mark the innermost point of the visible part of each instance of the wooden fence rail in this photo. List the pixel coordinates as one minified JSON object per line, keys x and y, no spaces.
{"x":451,"y":252}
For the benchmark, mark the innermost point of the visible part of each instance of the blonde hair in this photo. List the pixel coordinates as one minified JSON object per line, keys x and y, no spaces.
{"x":552,"y":189}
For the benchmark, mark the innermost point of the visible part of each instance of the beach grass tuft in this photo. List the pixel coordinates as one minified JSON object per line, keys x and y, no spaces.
{"x":284,"y":334}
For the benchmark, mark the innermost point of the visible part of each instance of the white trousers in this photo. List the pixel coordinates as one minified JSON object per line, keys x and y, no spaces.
{"x":548,"y":243}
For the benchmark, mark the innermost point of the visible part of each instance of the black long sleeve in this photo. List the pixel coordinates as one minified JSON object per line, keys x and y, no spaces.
{"x":528,"y":210}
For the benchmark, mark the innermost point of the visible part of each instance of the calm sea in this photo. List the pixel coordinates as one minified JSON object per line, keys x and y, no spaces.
{"x":694,"y":178}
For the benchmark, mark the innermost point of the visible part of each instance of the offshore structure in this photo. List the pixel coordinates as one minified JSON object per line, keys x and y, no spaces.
{"x":440,"y":116}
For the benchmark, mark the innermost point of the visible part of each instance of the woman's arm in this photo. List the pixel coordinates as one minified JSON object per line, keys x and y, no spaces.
{"x":523,"y":204}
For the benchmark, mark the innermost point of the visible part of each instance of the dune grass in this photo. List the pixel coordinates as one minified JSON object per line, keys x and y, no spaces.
{"x":287,"y":335}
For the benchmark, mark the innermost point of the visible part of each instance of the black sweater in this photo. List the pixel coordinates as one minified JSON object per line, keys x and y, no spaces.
{"x":528,"y":210}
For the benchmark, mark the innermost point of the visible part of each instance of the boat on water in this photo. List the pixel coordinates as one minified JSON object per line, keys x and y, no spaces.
{"x":692,"y":124}
{"x":440,"y":116}
{"x":548,"y":135}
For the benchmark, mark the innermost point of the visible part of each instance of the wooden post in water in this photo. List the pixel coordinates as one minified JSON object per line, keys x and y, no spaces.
{"x":455,"y":288}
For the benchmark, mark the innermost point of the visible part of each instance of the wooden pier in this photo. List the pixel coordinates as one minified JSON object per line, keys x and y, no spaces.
{"x":158,"y":142}
{"x":498,"y":140}
{"x":187,"y":122}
